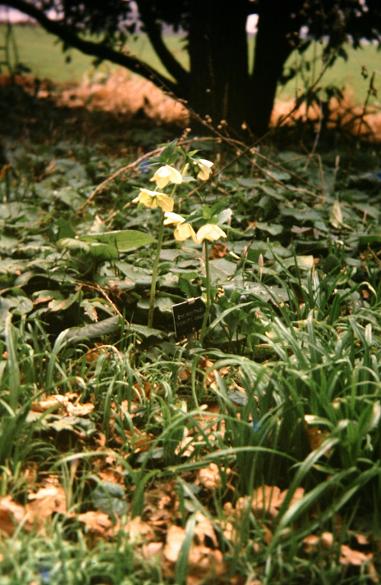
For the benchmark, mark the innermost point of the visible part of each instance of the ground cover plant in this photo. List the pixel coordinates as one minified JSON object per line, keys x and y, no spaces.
{"x":248,"y":452}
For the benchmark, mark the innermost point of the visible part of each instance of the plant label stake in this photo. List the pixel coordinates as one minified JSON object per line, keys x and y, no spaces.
{"x":188,"y":316}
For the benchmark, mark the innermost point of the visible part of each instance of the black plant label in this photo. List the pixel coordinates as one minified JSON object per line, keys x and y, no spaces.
{"x":188,"y":316}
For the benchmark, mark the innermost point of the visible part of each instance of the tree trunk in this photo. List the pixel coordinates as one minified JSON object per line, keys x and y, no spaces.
{"x":273,"y":45}
{"x":219,"y":61}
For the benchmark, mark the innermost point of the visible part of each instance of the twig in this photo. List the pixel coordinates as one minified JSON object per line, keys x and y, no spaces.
{"x":117,"y":174}
{"x":131,"y":166}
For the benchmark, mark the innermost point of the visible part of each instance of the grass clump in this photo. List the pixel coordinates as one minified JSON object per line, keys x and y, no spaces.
{"x":249,"y":455}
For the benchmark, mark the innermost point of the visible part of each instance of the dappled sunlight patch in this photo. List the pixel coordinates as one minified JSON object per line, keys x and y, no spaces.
{"x":345,"y":115}
{"x":123,"y":93}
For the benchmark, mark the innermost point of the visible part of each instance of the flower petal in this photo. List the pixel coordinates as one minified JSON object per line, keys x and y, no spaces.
{"x":166,"y":174}
{"x":184,"y":231}
{"x":210,"y":232}
{"x":205,"y":167}
{"x":165,"y":202}
{"x":173,"y":218}
{"x":153,"y":199}
{"x":146,"y":198}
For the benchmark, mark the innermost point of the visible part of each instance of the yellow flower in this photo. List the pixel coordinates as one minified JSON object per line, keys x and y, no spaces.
{"x":183,"y":230}
{"x":205,"y":167}
{"x":210,"y":232}
{"x":153,"y":199}
{"x":173,"y":218}
{"x":165,"y":175}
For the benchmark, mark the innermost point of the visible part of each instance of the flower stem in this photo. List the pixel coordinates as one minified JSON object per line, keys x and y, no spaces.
{"x":208,"y":291}
{"x":155,"y":271}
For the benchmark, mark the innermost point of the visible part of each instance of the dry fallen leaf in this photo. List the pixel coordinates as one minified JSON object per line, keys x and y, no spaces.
{"x":266,"y":499}
{"x":66,"y":403}
{"x":218,"y":250}
{"x":204,"y":530}
{"x":326,"y":539}
{"x":174,"y":542}
{"x":97,"y":522}
{"x":229,"y":531}
{"x":315,"y":435}
{"x":11,"y":514}
{"x":185,"y":448}
{"x":205,"y":563}
{"x":209,"y":477}
{"x":44,"y":503}
{"x":151,"y":549}
{"x":362,"y":539}
{"x":138,"y":530}
{"x":349,"y":556}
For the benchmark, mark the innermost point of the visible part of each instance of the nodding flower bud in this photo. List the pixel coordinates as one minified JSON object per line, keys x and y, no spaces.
{"x":205,"y":167}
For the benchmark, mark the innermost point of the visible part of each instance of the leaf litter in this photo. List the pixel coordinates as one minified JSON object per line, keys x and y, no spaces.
{"x":131,"y":416}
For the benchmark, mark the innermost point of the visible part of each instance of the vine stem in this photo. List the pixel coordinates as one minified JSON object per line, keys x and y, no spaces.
{"x":208,"y":290}
{"x":155,"y":271}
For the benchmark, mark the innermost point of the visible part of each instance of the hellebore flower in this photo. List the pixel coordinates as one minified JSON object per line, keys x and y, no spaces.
{"x":173,"y":218}
{"x":210,"y":232}
{"x":205,"y":167}
{"x":153,"y":199}
{"x":183,"y":230}
{"x":166,"y":174}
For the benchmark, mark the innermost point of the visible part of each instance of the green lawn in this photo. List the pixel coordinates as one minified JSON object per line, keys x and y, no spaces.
{"x":43,"y":54}
{"x":353,"y":75}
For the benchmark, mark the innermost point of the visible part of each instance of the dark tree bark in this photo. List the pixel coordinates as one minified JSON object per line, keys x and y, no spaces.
{"x":219,"y":61}
{"x":218,"y":83}
{"x":154,"y":31}
{"x":273,"y":44}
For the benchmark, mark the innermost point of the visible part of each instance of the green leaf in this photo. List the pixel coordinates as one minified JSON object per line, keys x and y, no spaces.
{"x":302,"y":262}
{"x":73,"y":245}
{"x":110,"y":497}
{"x":369,"y":239}
{"x":122,"y":240}
{"x":62,"y":304}
{"x":109,"y":326}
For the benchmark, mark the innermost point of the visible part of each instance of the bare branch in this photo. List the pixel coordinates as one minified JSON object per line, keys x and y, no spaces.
{"x":99,"y":50}
{"x":153,"y":30}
